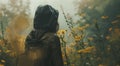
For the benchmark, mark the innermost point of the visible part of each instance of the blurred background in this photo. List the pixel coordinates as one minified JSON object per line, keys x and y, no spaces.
{"x":89,"y":30}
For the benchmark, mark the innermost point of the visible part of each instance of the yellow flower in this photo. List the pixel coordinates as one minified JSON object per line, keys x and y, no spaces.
{"x":82,"y":14}
{"x":0,"y":50}
{"x":110,"y":29}
{"x":85,"y":43}
{"x":104,"y":17}
{"x":72,"y":44}
{"x":86,"y":50}
{"x":63,"y":55}
{"x":1,"y":64}
{"x":80,"y":28}
{"x":3,"y":61}
{"x":7,"y":51}
{"x":115,"y":22}
{"x":77,"y":38}
{"x":65,"y":63}
{"x":2,"y":42}
{"x":107,"y":37}
{"x":100,"y":65}
{"x":89,"y":48}
{"x":61,"y":32}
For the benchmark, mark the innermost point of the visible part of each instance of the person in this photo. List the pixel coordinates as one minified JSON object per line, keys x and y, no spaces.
{"x":43,"y":41}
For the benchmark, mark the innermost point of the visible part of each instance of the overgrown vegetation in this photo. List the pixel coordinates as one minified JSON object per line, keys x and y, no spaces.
{"x":14,"y":20}
{"x":95,"y":36}
{"x":93,"y":40}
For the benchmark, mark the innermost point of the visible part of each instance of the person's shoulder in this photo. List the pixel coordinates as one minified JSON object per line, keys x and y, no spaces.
{"x":50,"y":38}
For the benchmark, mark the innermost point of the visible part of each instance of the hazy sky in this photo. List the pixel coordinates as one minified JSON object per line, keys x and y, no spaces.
{"x":67,"y":5}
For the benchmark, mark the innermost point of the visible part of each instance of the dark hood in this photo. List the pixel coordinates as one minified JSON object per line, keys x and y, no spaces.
{"x":45,"y":16}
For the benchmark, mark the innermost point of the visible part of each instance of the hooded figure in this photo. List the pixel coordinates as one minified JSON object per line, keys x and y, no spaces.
{"x":42,"y":44}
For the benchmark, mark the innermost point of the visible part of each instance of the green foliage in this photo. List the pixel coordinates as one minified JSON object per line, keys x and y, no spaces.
{"x":98,"y":44}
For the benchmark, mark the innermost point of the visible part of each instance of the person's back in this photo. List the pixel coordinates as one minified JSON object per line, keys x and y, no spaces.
{"x":42,"y":44}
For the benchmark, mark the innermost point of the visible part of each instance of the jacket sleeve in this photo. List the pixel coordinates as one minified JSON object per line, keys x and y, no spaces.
{"x":56,"y":53}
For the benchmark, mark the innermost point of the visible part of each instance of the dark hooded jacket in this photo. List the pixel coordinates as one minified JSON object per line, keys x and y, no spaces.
{"x":43,"y":39}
